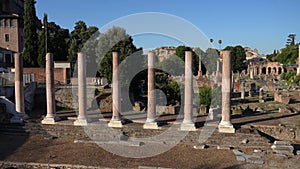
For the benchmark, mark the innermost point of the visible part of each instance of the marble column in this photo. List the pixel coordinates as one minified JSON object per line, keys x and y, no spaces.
{"x":243,"y":90}
{"x":188,"y":124}
{"x":151,"y":122}
{"x":19,"y":91}
{"x":51,"y":117}
{"x":200,"y":74}
{"x":225,"y":125}
{"x":261,"y":95}
{"x":115,"y":120}
{"x":82,"y":119}
{"x":298,"y":69}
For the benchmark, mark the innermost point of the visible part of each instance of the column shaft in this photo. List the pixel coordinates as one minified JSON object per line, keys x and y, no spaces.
{"x":115,"y":120}
{"x":82,"y":98}
{"x":225,"y":125}
{"x":151,"y":122}
{"x":50,"y":85}
{"x":188,"y":123}
{"x":298,"y":70}
{"x":50,"y":91}
{"x":19,"y":89}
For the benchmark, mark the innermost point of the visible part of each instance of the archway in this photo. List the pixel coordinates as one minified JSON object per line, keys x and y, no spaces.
{"x":264,"y":70}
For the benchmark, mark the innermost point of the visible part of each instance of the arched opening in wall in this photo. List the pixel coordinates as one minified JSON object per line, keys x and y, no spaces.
{"x":279,"y":70}
{"x":274,"y":70}
{"x":295,"y":69}
{"x":264,"y":70}
{"x":284,"y":70}
{"x":269,"y":70}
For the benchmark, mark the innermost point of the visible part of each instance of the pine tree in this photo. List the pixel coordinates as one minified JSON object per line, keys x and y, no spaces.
{"x":30,"y":51}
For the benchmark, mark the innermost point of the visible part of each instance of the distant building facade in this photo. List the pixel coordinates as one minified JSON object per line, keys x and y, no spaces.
{"x":164,"y":52}
{"x":11,"y":30}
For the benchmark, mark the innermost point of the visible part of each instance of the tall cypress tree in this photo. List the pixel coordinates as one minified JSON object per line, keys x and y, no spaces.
{"x":30,"y":51}
{"x":42,"y":43}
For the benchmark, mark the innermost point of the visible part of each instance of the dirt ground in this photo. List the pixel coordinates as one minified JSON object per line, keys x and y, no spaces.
{"x":64,"y":151}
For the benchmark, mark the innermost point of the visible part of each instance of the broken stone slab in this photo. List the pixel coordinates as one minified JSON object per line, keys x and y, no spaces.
{"x":257,"y":151}
{"x":237,"y":152}
{"x":298,"y":152}
{"x":224,"y":147}
{"x":245,"y":141}
{"x":282,"y":142}
{"x":283,"y":147}
{"x":240,"y":158}
{"x":281,"y":155}
{"x":200,"y":146}
{"x":284,"y":152}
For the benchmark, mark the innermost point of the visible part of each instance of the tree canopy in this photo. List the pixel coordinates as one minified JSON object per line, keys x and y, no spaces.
{"x":238,"y":56}
{"x":30,"y":51}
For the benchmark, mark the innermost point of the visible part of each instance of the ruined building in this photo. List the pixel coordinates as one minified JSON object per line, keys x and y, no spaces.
{"x":11,"y":30}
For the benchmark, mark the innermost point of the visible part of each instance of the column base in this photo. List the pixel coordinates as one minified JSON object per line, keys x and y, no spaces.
{"x":151,"y":125}
{"x":81,"y":122}
{"x":24,"y":116}
{"x":188,"y":127}
{"x":50,"y":120}
{"x":226,"y":127}
{"x":115,"y":124}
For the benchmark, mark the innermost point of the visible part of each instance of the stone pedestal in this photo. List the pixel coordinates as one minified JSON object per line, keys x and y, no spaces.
{"x":82,"y":119}
{"x":115,"y":121}
{"x":151,"y":122}
{"x":225,"y":125}
{"x":188,"y":124}
{"x":51,"y":117}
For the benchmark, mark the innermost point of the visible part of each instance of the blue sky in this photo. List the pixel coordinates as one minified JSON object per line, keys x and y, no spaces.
{"x":261,"y":24}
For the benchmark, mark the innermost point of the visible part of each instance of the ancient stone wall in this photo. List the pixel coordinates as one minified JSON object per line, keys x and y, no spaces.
{"x":279,"y":97}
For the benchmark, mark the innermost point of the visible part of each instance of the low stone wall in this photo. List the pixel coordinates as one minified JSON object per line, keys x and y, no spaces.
{"x":67,"y":97}
{"x":281,"y":132}
{"x":279,"y":97}
{"x":167,"y":109}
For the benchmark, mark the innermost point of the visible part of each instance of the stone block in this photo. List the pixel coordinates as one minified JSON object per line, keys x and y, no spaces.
{"x":151,"y":125}
{"x":200,"y":146}
{"x":226,"y":129}
{"x":240,"y":158}
{"x":282,"y":143}
{"x":115,"y":124}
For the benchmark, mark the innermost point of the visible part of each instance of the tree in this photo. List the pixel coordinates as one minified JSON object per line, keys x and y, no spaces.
{"x":79,"y":36}
{"x":30,"y":51}
{"x":209,"y":59}
{"x":42,"y":43}
{"x":291,"y":40}
{"x":220,"y":43}
{"x":288,"y":55}
{"x":172,"y":65}
{"x":180,"y":52}
{"x":238,"y":56}
{"x":205,"y":94}
{"x":59,"y":41}
{"x":115,"y":39}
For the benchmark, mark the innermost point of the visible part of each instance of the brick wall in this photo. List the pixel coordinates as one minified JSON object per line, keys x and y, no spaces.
{"x":281,"y":98}
{"x":61,"y":75}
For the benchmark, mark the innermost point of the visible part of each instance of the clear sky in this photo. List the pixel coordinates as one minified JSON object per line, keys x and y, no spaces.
{"x":261,"y":24}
